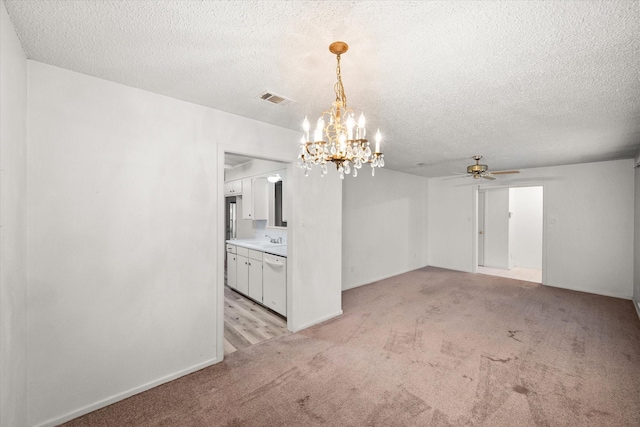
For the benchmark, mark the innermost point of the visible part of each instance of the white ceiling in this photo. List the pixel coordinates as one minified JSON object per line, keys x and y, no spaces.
{"x":525,"y":84}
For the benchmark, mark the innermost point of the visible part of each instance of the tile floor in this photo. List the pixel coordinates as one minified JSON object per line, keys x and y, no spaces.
{"x":518,"y":273}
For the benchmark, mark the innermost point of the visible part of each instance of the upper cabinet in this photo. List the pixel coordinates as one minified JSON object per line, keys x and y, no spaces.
{"x":233,"y":188}
{"x":265,"y":196}
{"x":255,"y":199}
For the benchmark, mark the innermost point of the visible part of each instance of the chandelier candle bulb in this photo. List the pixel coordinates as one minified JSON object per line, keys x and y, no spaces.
{"x":350,"y":125}
{"x":306,"y":127}
{"x":361,"y":122}
{"x":378,"y":139}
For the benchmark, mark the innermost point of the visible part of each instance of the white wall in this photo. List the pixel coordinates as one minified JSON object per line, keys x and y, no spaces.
{"x":496,"y":230}
{"x":525,"y":227}
{"x":384,"y":229}
{"x":589,"y":214}
{"x":123,"y":260}
{"x":451,"y":225}
{"x":636,"y":258}
{"x":315,"y":245}
{"x":13,"y":227}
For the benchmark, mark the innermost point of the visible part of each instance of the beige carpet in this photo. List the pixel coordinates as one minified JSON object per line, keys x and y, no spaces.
{"x":427,"y":348}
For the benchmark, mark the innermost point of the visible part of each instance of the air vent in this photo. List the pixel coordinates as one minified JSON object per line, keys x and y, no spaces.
{"x":275,"y":99}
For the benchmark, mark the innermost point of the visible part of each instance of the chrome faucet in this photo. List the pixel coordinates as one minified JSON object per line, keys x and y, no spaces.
{"x":273,"y":239}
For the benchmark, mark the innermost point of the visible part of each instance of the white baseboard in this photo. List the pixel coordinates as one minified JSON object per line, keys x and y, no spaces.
{"x":591,"y":291}
{"x":636,"y":304}
{"x":377,"y":279}
{"x":128,"y":393}
{"x":315,"y":322}
{"x":472,"y":270}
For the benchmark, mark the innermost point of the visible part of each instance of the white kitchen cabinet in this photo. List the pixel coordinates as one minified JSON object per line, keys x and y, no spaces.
{"x":232,"y":267}
{"x":247,"y":199}
{"x":233,"y":188}
{"x":249,"y":273}
{"x":260,"y":198}
{"x":255,"y":275}
{"x":242,"y":275}
{"x":255,"y":199}
{"x":274,"y":283}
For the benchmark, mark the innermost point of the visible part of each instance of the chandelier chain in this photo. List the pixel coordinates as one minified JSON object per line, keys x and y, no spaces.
{"x":339,"y":87}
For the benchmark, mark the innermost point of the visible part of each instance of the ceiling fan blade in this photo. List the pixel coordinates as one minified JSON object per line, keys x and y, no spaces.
{"x":504,"y":172}
{"x":489,"y":177}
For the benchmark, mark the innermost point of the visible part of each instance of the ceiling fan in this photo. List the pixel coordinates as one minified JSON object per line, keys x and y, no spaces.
{"x":478,"y":171}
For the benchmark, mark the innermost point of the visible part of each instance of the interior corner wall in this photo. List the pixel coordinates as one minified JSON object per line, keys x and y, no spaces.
{"x":314,"y":248}
{"x":589,"y":222}
{"x":384,"y":222}
{"x":13,"y":230}
{"x":123,"y":238}
{"x":496,"y":230}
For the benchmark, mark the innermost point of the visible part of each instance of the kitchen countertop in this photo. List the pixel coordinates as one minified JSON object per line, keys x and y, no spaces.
{"x":261,"y":245}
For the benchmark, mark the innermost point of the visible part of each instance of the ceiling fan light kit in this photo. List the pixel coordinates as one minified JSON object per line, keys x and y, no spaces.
{"x":338,"y":138}
{"x":478,"y":171}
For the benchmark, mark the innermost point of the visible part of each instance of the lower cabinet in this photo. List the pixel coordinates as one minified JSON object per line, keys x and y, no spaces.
{"x":232,"y":267}
{"x":249,"y":273}
{"x":242,"y":274}
{"x":260,"y":276}
{"x":255,"y":275}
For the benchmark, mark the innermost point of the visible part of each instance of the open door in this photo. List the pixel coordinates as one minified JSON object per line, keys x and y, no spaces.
{"x":481,"y":200}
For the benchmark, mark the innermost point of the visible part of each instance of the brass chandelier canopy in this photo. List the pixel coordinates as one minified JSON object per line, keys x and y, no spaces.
{"x":337,"y":137}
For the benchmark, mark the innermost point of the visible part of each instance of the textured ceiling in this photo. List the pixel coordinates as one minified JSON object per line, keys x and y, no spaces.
{"x":525,"y":84}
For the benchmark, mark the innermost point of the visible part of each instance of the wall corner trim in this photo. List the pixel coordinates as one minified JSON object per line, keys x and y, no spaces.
{"x":128,"y":393}
{"x":315,"y":322}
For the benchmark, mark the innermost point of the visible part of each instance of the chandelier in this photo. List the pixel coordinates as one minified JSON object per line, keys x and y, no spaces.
{"x":338,"y":138}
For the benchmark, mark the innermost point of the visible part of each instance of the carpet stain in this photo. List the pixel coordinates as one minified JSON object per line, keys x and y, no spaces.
{"x":512,"y":334}
{"x":578,"y":346}
{"x":488,"y":398}
{"x":499,"y":360}
{"x":398,"y":408}
{"x":520,"y":389}
{"x":440,"y":419}
{"x":428,"y":312}
{"x":401,"y":342}
{"x":597,"y":413}
{"x":318,"y":361}
{"x":450,"y":349}
{"x":274,"y":383}
{"x":303,"y":404}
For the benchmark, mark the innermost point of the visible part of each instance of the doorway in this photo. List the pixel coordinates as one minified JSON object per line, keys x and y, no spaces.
{"x":250,"y":217}
{"x":481,"y":210}
{"x":510,"y":232}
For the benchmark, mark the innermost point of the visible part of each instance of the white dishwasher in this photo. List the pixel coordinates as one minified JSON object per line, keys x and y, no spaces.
{"x":274,"y":283}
